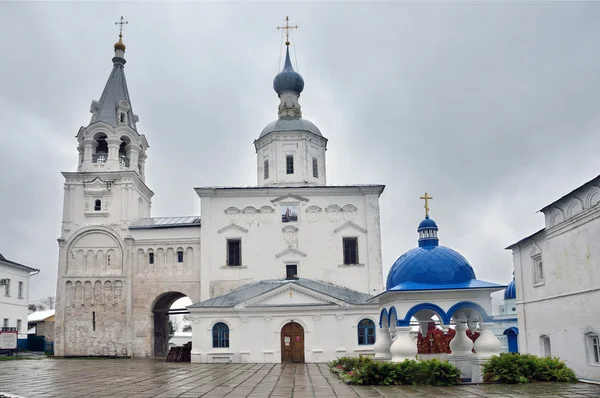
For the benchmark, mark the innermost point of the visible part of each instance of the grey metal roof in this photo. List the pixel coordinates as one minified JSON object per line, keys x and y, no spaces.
{"x":288,"y":124}
{"x":4,"y":260}
{"x":165,"y":222}
{"x":585,"y":185}
{"x":114,"y":91}
{"x":255,"y":289}
{"x":524,"y":239}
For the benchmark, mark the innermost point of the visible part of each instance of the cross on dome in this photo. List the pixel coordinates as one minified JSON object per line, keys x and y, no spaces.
{"x":120,"y":23}
{"x":287,"y":28}
{"x":426,"y":204}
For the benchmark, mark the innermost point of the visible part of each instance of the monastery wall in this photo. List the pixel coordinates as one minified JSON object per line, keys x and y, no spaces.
{"x":563,"y":307}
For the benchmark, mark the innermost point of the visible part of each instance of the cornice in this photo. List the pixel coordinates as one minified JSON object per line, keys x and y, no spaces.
{"x":284,"y":190}
{"x":80,"y":177}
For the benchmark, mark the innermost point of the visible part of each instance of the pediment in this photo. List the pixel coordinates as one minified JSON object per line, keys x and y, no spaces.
{"x":288,"y":197}
{"x":232,"y":227}
{"x":291,"y":295}
{"x":350,"y":225}
{"x":290,"y":250}
{"x":97,"y":185}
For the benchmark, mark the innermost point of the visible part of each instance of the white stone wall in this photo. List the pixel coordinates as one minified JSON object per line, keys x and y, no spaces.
{"x":12,"y":306}
{"x":314,"y":242}
{"x":255,"y":337}
{"x":123,"y":197}
{"x":564,"y":306}
{"x":120,"y":295}
{"x":303,"y":146}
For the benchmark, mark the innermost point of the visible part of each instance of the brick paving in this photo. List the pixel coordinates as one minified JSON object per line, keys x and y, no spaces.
{"x":147,"y":378}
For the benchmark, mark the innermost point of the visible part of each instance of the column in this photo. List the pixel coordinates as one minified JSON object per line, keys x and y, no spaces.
{"x":486,"y":346}
{"x":133,"y":155}
{"x":88,"y":150}
{"x":383,"y":344}
{"x":403,"y":346}
{"x":112,"y":163}
{"x":461,"y":347}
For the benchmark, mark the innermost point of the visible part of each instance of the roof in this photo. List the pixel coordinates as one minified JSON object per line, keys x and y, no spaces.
{"x":290,"y":124}
{"x":288,"y":79}
{"x":570,"y":193}
{"x":251,"y":290}
{"x":114,"y":91}
{"x":511,"y":291}
{"x":429,"y":265}
{"x":4,"y":260}
{"x":165,"y":222}
{"x":39,"y":316}
{"x":471,"y":284}
{"x":524,"y":239}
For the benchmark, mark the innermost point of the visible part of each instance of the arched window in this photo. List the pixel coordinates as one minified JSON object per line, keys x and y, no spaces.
{"x":220,"y":335}
{"x":97,"y":205}
{"x":366,"y":332}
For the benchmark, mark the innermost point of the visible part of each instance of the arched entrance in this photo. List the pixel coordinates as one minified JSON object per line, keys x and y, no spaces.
{"x":513,"y":339}
{"x":161,"y":311}
{"x":292,"y":343}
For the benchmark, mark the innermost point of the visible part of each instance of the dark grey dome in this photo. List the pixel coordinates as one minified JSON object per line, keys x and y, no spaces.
{"x":288,"y":79}
{"x":290,"y":123}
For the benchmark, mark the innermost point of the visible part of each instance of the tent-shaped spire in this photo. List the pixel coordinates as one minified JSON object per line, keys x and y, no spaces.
{"x":114,"y":106}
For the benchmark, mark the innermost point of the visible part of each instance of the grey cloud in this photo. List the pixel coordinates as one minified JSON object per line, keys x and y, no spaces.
{"x":491,"y":107}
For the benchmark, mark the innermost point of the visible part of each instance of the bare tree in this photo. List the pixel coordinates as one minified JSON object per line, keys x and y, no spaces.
{"x":49,"y":302}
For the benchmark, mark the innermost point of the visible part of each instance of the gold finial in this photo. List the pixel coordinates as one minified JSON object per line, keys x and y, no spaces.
{"x":120,"y":45}
{"x":287,"y":28}
{"x":426,"y":204}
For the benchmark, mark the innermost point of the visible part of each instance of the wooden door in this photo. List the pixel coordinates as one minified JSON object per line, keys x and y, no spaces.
{"x":292,"y":343}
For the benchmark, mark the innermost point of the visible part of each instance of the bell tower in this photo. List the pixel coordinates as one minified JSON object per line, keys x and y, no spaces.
{"x":291,"y":150}
{"x":108,"y":187}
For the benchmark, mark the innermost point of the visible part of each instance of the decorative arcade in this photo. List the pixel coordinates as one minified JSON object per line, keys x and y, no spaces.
{"x":433,"y":283}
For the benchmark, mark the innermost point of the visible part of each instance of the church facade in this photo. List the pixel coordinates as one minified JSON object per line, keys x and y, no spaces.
{"x":120,"y":269}
{"x":287,"y":270}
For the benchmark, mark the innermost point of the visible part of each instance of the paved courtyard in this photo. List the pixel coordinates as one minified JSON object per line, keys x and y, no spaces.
{"x":153,"y":378}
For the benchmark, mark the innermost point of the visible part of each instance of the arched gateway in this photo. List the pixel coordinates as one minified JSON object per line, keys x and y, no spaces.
{"x":292,"y":343}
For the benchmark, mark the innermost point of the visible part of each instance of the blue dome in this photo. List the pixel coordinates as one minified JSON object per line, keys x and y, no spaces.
{"x":427,"y":223}
{"x":511,"y":291}
{"x":430,"y":265}
{"x":288,"y":79}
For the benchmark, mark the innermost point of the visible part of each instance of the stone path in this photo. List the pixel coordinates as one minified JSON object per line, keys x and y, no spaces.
{"x":153,"y":378}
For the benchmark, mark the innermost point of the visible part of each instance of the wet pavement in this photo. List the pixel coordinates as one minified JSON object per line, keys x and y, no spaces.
{"x":153,"y":378}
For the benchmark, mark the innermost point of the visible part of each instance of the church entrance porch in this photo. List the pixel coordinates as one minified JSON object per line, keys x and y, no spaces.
{"x":292,"y":343}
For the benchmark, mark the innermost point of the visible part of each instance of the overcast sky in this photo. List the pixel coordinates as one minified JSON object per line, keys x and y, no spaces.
{"x":491,"y":107}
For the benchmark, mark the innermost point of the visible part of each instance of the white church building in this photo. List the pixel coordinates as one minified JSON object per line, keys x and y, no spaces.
{"x":288,"y":270}
{"x":557,"y":270}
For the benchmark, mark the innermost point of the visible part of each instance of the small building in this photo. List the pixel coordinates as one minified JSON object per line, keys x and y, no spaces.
{"x":557,"y":273}
{"x":41,"y":323}
{"x":14,"y":295}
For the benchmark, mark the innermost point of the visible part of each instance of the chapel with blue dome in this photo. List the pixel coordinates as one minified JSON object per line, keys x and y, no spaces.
{"x":430,"y":266}
{"x":436,"y":284}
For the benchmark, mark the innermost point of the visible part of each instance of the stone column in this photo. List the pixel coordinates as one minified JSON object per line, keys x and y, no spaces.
{"x":383,"y":344}
{"x":112,"y":162}
{"x":403,"y":346}
{"x":89,"y":146}
{"x":486,"y":346}
{"x":133,"y":154}
{"x":461,"y":347}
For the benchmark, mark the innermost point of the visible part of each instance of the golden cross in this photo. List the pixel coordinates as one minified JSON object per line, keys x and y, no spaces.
{"x":120,"y":24}
{"x":426,"y":203}
{"x":287,"y":28}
